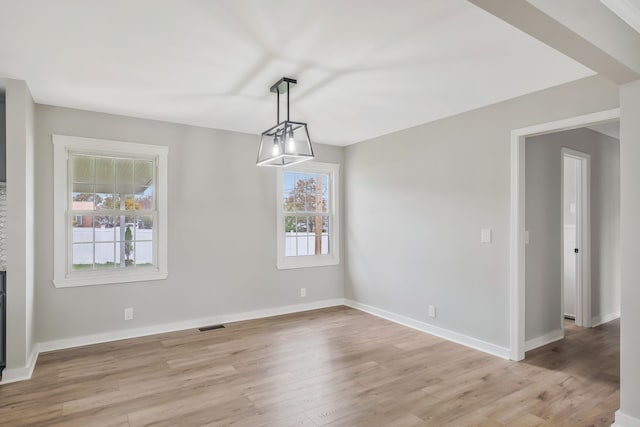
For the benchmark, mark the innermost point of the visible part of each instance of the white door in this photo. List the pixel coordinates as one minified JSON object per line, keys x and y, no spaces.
{"x":576,"y":255}
{"x":569,"y":216}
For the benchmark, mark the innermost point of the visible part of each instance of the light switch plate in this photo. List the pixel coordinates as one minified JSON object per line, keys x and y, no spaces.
{"x":485,"y":235}
{"x":526,"y":237}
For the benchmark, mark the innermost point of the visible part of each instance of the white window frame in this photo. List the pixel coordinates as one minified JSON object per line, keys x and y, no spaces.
{"x":62,"y":146}
{"x":304,"y":261}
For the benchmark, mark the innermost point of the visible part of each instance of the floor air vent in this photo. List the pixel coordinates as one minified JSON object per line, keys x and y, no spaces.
{"x":210,"y":328}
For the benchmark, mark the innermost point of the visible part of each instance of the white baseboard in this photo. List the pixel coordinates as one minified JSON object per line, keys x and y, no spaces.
{"x":624,"y":420}
{"x":456,"y":337}
{"x":604,"y":318}
{"x":187,"y":324}
{"x":545,"y":339}
{"x":24,"y":373}
{"x":12,"y":375}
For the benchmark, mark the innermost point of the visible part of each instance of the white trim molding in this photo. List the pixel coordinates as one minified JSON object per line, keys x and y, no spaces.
{"x":437,"y":331}
{"x":12,"y":375}
{"x":543,"y":340}
{"x":517,"y":223}
{"x":333,"y":257}
{"x":62,"y":146}
{"x":24,"y":373}
{"x":604,"y":318}
{"x":124,"y":334}
{"x":624,"y":420}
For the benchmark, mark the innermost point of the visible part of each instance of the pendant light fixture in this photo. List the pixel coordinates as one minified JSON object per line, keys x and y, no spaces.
{"x":287,"y":143}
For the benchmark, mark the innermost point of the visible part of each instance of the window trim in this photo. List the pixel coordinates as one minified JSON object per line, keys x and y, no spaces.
{"x":62,"y":146}
{"x":333,"y":258}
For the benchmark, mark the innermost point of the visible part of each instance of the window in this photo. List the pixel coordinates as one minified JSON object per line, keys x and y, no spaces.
{"x":308,"y":226}
{"x":109,"y":211}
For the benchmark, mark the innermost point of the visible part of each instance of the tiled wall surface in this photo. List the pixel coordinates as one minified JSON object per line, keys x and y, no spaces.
{"x":3,"y":228}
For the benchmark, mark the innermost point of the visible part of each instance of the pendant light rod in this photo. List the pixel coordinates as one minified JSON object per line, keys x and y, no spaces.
{"x":282,"y":86}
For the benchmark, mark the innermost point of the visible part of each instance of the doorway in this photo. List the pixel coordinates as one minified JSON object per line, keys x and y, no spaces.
{"x":576,"y":238}
{"x":519,"y":235}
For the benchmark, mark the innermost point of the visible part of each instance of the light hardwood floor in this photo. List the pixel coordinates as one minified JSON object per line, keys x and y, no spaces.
{"x":335,"y":366}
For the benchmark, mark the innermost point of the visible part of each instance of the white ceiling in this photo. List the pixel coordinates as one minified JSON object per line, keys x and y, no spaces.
{"x":364,"y":68}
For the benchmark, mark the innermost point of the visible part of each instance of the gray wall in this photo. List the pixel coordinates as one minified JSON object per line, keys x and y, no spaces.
{"x":544,"y":223}
{"x":417,"y":199}
{"x":629,"y":214}
{"x":218,"y":201}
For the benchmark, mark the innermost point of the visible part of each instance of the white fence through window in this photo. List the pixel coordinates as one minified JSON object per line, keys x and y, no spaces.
{"x":306,"y":243}
{"x":142,"y":252}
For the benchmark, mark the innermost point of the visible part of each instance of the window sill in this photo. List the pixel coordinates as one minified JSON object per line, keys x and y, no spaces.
{"x":106,"y":279}
{"x":306,"y":262}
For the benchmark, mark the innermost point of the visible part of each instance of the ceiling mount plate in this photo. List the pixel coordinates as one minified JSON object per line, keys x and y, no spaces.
{"x":283,"y":84}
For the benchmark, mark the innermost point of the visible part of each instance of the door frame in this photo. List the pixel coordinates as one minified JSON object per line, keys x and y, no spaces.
{"x":583,"y":239}
{"x":517,"y":215}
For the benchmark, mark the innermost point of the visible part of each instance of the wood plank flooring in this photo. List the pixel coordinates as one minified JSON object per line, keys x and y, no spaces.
{"x":329,"y":367}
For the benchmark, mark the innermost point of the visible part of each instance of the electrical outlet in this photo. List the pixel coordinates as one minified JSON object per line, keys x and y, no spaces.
{"x":432,"y":311}
{"x":303,"y":292}
{"x":128,"y":313}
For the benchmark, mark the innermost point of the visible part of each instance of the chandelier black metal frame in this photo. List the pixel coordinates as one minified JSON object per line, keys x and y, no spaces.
{"x":288,"y":142}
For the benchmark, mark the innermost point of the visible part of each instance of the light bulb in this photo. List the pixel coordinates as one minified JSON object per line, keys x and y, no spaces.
{"x":291,"y":143}
{"x":276,"y":148}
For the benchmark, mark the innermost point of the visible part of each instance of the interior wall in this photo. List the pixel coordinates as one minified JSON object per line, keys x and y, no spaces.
{"x":417,"y":199}
{"x":606,"y":282}
{"x":544,"y":218}
{"x":20,"y":224}
{"x":629,"y":214}
{"x":222,"y":232}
